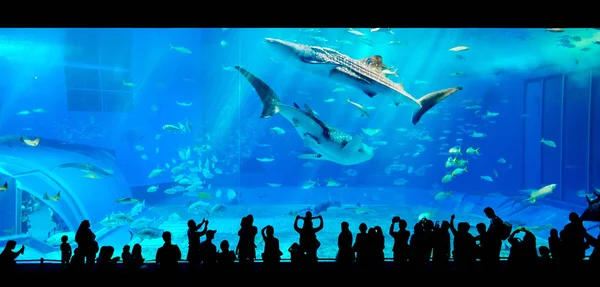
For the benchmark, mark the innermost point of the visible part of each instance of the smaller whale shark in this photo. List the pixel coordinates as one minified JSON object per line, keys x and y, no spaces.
{"x":364,"y":74}
{"x":329,"y":143}
{"x":592,"y":212}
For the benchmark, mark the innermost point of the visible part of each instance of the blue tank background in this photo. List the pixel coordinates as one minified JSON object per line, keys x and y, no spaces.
{"x":525,"y":67}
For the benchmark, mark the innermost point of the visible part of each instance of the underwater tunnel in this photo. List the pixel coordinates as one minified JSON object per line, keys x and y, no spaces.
{"x":93,"y":83}
{"x":41,"y":172}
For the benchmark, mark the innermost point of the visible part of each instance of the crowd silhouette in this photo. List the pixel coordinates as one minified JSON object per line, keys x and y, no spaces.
{"x":428,"y":248}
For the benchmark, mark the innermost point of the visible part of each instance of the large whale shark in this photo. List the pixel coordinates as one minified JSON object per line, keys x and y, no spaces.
{"x":327,"y":142}
{"x":592,"y":212}
{"x":365,"y":74}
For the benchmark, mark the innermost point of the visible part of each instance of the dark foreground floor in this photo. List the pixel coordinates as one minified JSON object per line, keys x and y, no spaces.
{"x":285,"y":275}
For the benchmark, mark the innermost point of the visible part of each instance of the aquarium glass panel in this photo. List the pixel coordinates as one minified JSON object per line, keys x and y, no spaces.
{"x":575,"y":138}
{"x":532,"y":133}
{"x":141,"y":130}
{"x":552,"y":108}
{"x":595,"y":134}
{"x":9,"y":207}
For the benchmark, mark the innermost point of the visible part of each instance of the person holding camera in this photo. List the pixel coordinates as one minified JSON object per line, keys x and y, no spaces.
{"x":421,"y":245}
{"x":194,"y":235}
{"x":465,"y":246}
{"x":441,"y":246}
{"x":401,"y":237}
{"x":497,"y":231}
{"x":523,"y":252}
{"x":8,"y":256}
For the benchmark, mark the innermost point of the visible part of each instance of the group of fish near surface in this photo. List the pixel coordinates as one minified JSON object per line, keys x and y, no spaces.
{"x":366,"y":74}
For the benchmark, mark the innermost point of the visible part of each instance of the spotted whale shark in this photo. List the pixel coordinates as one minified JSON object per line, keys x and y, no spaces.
{"x":364,"y":74}
{"x":328,"y":143}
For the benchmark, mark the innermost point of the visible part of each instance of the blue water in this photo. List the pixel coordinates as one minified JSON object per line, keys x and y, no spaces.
{"x":100,"y":100}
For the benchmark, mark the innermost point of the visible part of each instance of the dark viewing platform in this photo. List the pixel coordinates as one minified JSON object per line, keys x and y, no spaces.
{"x":50,"y":270}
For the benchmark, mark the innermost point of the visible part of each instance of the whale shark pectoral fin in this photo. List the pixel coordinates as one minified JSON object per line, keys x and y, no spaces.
{"x":295,"y":122}
{"x":296,"y":106}
{"x":313,"y":156}
{"x":398,"y":100}
{"x":372,"y":94}
{"x":354,"y":144}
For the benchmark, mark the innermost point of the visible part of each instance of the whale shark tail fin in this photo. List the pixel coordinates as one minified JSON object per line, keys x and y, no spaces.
{"x":430,"y":100}
{"x":267,"y":95}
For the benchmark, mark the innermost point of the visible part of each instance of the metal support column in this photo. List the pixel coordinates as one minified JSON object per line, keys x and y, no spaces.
{"x":19,"y":214}
{"x":523,"y":135}
{"x":543,"y":92}
{"x":101,"y":90}
{"x":589,"y":137}
{"x":562,"y":138}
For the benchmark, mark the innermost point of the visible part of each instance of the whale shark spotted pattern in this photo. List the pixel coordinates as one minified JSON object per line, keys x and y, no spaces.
{"x":329,"y":143}
{"x":365,"y":74}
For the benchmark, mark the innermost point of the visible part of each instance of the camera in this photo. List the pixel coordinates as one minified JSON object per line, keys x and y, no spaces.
{"x":396,"y":219}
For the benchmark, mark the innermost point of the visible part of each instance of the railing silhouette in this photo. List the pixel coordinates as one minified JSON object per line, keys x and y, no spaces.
{"x":55,"y":261}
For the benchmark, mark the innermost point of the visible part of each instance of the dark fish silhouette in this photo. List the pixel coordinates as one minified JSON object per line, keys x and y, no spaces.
{"x":322,"y":207}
